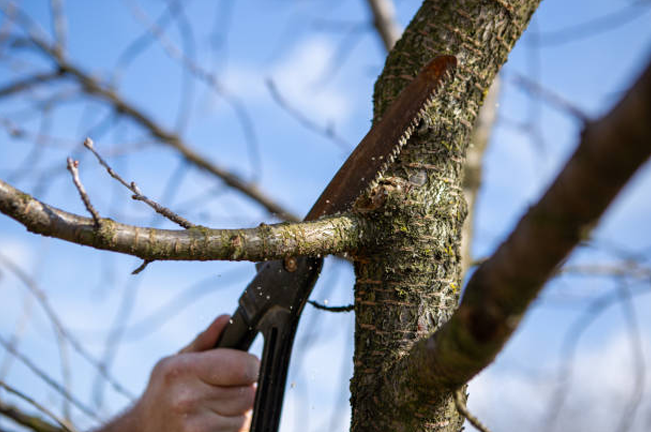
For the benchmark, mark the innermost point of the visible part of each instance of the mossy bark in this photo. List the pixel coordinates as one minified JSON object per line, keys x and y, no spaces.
{"x":408,"y":280}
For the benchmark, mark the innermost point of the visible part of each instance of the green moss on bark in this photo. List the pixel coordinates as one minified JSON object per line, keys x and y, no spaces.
{"x":408,"y":279}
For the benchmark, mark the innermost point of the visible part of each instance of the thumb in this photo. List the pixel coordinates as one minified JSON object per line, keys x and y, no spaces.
{"x":207,"y":338}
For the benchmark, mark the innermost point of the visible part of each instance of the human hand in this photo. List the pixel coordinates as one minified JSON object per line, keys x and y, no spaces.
{"x":199,"y":389}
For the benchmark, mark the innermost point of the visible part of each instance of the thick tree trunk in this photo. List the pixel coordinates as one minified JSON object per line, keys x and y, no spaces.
{"x":408,"y":280}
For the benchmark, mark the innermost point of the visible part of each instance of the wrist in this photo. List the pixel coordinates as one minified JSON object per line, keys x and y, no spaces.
{"x":128,"y":421}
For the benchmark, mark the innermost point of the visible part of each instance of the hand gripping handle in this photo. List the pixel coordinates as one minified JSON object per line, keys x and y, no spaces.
{"x":271,"y":304}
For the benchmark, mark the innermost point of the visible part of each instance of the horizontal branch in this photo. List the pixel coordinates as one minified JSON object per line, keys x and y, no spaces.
{"x":502,"y":288}
{"x":332,"y":235}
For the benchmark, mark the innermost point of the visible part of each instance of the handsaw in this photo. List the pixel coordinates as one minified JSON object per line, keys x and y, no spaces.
{"x":272,"y":303}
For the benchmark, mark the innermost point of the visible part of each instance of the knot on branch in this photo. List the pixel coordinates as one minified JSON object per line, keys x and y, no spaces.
{"x":106,"y":234}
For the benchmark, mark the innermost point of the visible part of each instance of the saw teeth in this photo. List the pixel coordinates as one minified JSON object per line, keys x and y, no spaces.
{"x":402,"y":141}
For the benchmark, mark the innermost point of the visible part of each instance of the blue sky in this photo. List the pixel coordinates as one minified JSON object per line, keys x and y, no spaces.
{"x":293,"y":44}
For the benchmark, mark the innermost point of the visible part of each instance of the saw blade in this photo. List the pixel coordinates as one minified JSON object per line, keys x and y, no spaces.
{"x":383,"y":143}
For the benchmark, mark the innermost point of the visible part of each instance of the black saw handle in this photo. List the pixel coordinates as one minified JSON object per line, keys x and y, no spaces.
{"x":272,"y":304}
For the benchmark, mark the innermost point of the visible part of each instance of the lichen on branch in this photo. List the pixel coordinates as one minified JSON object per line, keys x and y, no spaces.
{"x":333,"y":235}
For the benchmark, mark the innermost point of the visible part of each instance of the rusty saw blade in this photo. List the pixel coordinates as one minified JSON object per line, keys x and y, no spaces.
{"x":383,"y":143}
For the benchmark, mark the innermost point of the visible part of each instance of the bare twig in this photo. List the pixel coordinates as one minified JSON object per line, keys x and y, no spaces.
{"x":64,"y":425}
{"x":325,"y":307}
{"x":569,"y":347}
{"x":631,"y":270}
{"x":551,"y":97}
{"x":91,"y":86}
{"x":327,"y":132}
{"x":48,"y":380}
{"x":28,"y":83}
{"x":460,"y":403}
{"x":610,"y":21}
{"x":19,"y":329}
{"x":206,"y":77}
{"x":385,"y":23}
{"x":173,"y":307}
{"x":59,"y":23}
{"x":133,"y":187}
{"x":31,"y":422}
{"x":472,"y":176}
{"x":189,"y":49}
{"x":141,"y":267}
{"x":74,"y":171}
{"x":32,"y":286}
{"x":639,"y":374}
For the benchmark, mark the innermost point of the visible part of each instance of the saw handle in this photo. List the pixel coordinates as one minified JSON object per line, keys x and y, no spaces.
{"x":271,"y":304}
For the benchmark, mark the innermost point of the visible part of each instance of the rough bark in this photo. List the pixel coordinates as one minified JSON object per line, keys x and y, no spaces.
{"x":408,"y":280}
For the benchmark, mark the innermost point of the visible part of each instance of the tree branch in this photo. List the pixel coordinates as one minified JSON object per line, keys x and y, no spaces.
{"x":93,"y":87}
{"x":325,"y":236}
{"x":29,"y":421}
{"x":384,"y":21}
{"x":610,"y":152}
{"x":137,"y":194}
{"x":472,"y":176}
{"x":29,"y":82}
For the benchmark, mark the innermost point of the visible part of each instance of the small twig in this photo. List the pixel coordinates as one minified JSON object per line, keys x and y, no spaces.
{"x":29,"y":82}
{"x":327,"y":131}
{"x":47,"y":379}
{"x":59,"y":23}
{"x":463,"y":410}
{"x":635,"y":337}
{"x":141,"y":267}
{"x":385,"y":22}
{"x":203,"y":75}
{"x":33,"y":422}
{"x":38,"y":406}
{"x":633,"y":270}
{"x":320,"y":306}
{"x":137,"y":194}
{"x":74,"y":171}
{"x":103,"y":92}
{"x":595,"y":26}
{"x":548,"y":96}
{"x":40,"y":296}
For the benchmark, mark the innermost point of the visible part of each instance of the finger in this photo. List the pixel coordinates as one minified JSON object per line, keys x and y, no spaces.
{"x":207,"y":338}
{"x":231,"y":401}
{"x":213,"y":422}
{"x":225,"y":367}
{"x":247,"y":422}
